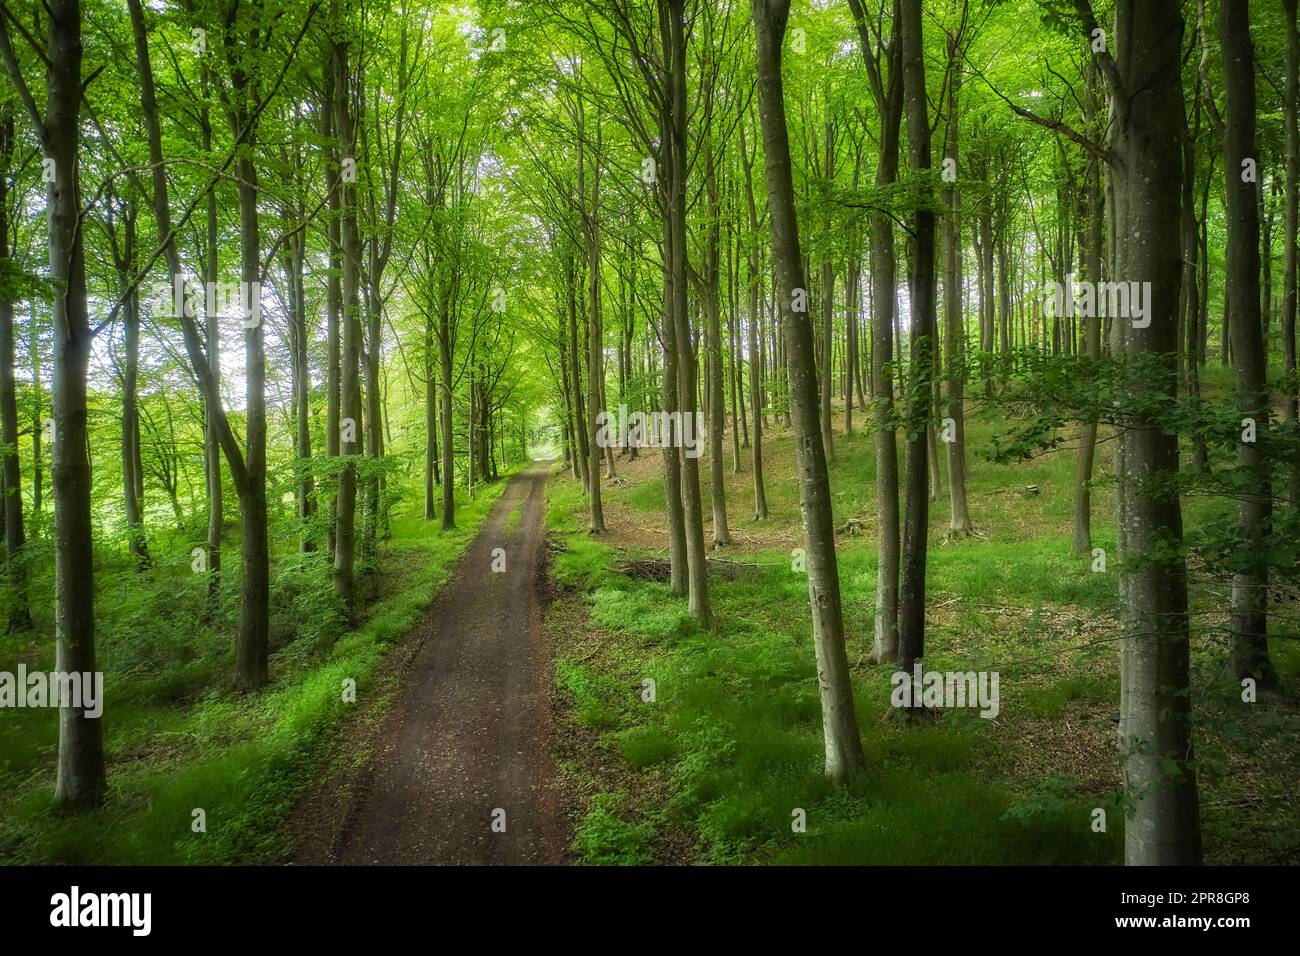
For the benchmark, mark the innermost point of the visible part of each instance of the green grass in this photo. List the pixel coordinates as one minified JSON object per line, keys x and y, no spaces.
{"x":176,"y":736}
{"x":736,"y":728}
{"x":731,"y":749}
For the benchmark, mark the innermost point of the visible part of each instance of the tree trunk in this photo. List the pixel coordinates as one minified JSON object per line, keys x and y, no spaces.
{"x":1163,"y":825}
{"x":911,"y":610}
{"x":430,"y":423}
{"x":252,"y":649}
{"x":297,"y":321}
{"x":828,"y":309}
{"x":844,"y":756}
{"x":349,"y":386}
{"x":212,"y":412}
{"x":1255,"y":500}
{"x":80,"y":781}
{"x":687,"y":377}
{"x":1289,"y":238}
{"x":755,"y":351}
{"x":333,"y":296}
{"x":959,"y":523}
{"x":132,"y":477}
{"x":712,"y":310}
{"x":1095,"y":200}
{"x":15,"y":566}
{"x":888,"y":91}
{"x":595,"y":322}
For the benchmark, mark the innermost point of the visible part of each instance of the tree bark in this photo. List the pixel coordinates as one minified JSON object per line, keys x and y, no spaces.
{"x":80,"y":781}
{"x":755,"y":351}
{"x":349,"y":385}
{"x":712,"y":312}
{"x":1081,"y":537}
{"x":673,"y":12}
{"x":1249,"y":638}
{"x":1290,"y":402}
{"x":888,"y":92}
{"x":15,"y":540}
{"x":911,"y":610}
{"x":1163,"y":826}
{"x":959,"y":523}
{"x":844,"y":756}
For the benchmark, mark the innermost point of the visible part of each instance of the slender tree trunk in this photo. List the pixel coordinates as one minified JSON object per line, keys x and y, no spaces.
{"x":734,"y":372}
{"x":1095,"y":200}
{"x":687,"y":377}
{"x":430,"y":423}
{"x":211,"y":431}
{"x":1255,"y":500}
{"x":844,"y":756}
{"x":828,"y":311}
{"x":1155,"y":707}
{"x":712,"y":310}
{"x":333,"y":296}
{"x":1290,"y":403}
{"x":755,"y":350}
{"x":575,"y":375}
{"x":448,"y":436}
{"x":254,"y":618}
{"x":595,"y":324}
{"x":80,"y":781}
{"x":15,"y":540}
{"x":297,"y":319}
{"x":132,"y":476}
{"x":959,"y":523}
{"x":349,"y":386}
{"x":911,"y":605}
{"x":38,"y":412}
{"x":888,"y":91}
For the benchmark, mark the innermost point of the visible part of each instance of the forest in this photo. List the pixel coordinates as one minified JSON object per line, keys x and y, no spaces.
{"x":649,"y":432}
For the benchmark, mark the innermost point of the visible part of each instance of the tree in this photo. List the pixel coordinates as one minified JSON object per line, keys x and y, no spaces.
{"x":350,"y":424}
{"x":1250,"y":363}
{"x":844,"y":757}
{"x":924,"y":293}
{"x":755,"y":356}
{"x":1145,"y":86}
{"x":884,"y":71}
{"x":15,"y":538}
{"x":959,"y":523}
{"x":80,"y":783}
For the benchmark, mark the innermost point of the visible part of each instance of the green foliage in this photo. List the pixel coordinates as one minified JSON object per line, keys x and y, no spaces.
{"x":177,"y":737}
{"x":605,"y":839}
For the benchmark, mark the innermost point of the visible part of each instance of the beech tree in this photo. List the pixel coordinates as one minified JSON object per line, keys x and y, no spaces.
{"x":81,"y":780}
{"x":1145,"y":88}
{"x":844,"y":757}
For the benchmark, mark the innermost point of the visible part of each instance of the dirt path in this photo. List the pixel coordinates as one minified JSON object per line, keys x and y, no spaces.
{"x":469,"y":734}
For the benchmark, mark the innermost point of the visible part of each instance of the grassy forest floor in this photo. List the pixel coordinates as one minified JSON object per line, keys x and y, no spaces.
{"x":713,"y":770}
{"x":177,"y":735}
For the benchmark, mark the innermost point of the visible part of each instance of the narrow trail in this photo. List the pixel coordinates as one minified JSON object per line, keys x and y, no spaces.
{"x":469,"y":734}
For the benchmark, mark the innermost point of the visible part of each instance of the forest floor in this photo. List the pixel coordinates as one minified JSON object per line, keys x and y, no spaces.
{"x":178,"y":736}
{"x":715,"y":765}
{"x":459,"y":770}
